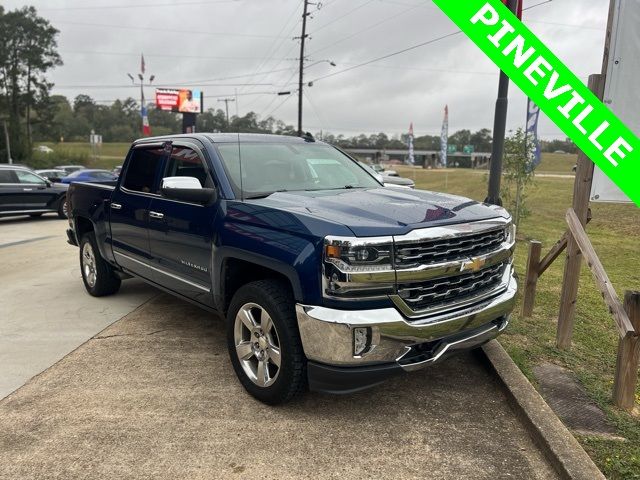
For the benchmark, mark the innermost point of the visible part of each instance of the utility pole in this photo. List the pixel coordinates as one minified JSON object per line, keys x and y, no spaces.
{"x":226,"y":104}
{"x":305,"y":14}
{"x":499,"y":130}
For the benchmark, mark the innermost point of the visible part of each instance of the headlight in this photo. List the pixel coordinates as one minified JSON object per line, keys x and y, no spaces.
{"x":358,"y":268}
{"x":359,"y":255}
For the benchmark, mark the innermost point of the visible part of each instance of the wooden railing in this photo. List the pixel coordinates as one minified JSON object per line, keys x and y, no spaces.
{"x":626,"y":315}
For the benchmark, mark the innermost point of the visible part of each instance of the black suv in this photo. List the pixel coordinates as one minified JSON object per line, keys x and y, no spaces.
{"x":23,"y":192}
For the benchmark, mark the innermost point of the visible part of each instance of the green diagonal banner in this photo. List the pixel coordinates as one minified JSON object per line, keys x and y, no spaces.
{"x":553,"y":87}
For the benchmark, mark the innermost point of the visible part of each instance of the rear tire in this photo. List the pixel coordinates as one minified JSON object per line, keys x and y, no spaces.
{"x":63,"y":208}
{"x":98,"y":276}
{"x":264,"y":342}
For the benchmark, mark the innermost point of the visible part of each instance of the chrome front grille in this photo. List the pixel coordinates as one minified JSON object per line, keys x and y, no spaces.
{"x":415,"y":254}
{"x":452,"y":291}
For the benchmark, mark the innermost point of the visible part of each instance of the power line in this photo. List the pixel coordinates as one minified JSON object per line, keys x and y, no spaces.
{"x":166,"y":30}
{"x":404,"y":50}
{"x":275,"y":46}
{"x":569,"y":25}
{"x":321,"y":27}
{"x":158,"y":55}
{"x":160,"y":85}
{"x":370,"y":27}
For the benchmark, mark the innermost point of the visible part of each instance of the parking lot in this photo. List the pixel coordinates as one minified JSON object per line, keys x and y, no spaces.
{"x":139,"y":385}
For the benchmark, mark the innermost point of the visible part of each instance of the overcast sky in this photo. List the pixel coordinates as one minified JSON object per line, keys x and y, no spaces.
{"x":247,"y":45}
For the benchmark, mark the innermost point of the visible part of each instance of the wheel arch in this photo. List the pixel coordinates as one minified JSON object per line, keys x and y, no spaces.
{"x":237,"y":268}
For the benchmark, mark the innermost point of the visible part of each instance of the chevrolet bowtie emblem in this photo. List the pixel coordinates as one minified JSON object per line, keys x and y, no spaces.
{"x":474,"y":265}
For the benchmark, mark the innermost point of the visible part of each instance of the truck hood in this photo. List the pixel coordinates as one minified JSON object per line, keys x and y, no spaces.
{"x":383,"y":211}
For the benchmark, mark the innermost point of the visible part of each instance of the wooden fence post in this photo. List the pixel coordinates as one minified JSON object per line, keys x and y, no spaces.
{"x":581,"y":192}
{"x":533,"y":263}
{"x":624,"y":384}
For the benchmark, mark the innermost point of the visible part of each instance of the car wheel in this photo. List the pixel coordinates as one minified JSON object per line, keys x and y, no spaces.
{"x":98,"y":276}
{"x":264,"y":342}
{"x":63,"y":208}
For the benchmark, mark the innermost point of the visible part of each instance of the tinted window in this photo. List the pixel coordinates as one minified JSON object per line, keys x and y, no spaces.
{"x":143,"y":168}
{"x":28,"y":177}
{"x":185,"y":162}
{"x":7,"y":176}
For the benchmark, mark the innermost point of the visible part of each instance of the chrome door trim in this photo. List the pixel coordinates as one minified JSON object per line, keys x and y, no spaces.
{"x":156,"y":215}
{"x":116,"y":206}
{"x":176,"y":277}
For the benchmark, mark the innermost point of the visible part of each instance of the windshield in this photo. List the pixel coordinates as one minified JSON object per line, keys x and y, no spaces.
{"x":280,"y":167}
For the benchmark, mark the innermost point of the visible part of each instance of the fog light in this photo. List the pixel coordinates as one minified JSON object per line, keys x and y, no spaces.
{"x":361,"y":340}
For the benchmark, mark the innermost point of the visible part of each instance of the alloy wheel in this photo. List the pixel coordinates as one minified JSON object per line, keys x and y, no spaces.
{"x":89,"y":264}
{"x":257,"y":344}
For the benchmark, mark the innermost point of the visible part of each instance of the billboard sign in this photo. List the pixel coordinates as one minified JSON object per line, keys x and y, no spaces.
{"x":621,"y":87}
{"x":180,"y":100}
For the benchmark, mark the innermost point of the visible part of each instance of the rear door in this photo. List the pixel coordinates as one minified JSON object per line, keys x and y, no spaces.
{"x":180,"y":233}
{"x":10,"y":191}
{"x":129,"y":209}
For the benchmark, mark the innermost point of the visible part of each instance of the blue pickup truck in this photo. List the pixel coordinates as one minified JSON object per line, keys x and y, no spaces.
{"x":327,"y":280}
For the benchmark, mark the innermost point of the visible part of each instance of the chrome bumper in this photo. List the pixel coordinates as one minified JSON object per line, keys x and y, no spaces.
{"x":327,"y":334}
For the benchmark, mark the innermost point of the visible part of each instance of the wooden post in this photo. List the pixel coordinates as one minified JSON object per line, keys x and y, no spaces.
{"x":624,"y":385}
{"x":535,"y":249}
{"x":581,"y":193}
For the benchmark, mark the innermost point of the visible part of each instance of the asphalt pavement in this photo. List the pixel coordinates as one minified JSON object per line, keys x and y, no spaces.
{"x":153,"y":395}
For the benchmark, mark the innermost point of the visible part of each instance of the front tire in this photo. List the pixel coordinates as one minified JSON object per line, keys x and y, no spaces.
{"x":264,"y":343}
{"x":98,"y":276}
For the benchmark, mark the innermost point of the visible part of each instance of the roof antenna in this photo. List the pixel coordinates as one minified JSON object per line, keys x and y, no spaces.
{"x":308,"y":137}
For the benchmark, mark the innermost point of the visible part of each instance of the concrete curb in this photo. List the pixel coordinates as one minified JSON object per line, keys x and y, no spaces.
{"x":549,"y":433}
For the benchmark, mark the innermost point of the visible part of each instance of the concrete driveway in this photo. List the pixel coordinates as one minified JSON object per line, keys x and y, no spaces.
{"x":154,"y":396}
{"x":44,"y":311}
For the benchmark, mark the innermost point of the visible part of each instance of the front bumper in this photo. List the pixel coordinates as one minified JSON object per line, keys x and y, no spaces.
{"x":396,"y":343}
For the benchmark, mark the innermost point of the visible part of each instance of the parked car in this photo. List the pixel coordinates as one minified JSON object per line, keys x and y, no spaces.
{"x":398,"y":182}
{"x":326,"y":279}
{"x":43,"y":149}
{"x":23,"y":192}
{"x":388,"y":181}
{"x":70,"y":168}
{"x":52,"y":175}
{"x":90,"y":175}
{"x":117,"y":170}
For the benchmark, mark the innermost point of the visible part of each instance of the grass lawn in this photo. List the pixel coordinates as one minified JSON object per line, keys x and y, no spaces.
{"x":615,"y":233}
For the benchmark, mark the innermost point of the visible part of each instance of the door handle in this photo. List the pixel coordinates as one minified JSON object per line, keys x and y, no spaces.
{"x":116,"y":206}
{"x":156,"y":215}
{"x":27,"y":189}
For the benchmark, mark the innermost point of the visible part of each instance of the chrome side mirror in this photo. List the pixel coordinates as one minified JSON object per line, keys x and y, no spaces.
{"x":190,"y":183}
{"x":187,"y":189}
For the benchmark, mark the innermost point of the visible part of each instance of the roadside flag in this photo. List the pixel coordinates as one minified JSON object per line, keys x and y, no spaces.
{"x":142,"y":64}
{"x":531,"y":135}
{"x":146,"y":128}
{"x":412,"y":157}
{"x":444,"y":137}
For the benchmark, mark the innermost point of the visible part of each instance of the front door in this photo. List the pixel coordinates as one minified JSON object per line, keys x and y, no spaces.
{"x":180,"y":233}
{"x":35,"y":193}
{"x":129,"y":209}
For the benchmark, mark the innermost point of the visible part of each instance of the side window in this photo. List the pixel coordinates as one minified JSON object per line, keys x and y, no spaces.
{"x":28,"y":177}
{"x":7,"y":176}
{"x":142,"y":169}
{"x":185,"y":162}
